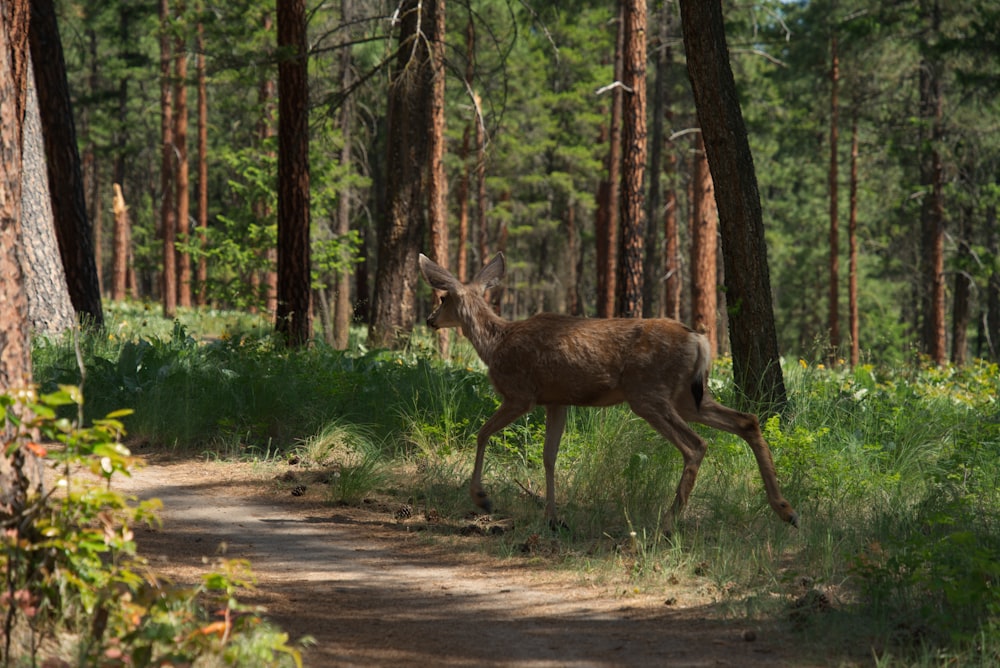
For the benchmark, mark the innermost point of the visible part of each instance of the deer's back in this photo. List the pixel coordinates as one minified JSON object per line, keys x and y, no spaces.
{"x":558,"y":359}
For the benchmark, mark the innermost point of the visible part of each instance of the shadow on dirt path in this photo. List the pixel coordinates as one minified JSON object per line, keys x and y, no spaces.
{"x":371,"y":592}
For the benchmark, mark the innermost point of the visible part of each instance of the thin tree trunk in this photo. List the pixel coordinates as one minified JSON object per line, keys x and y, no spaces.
{"x":704,"y":249}
{"x":437,"y":210}
{"x":932,"y":209}
{"x":119,"y":274}
{"x":630,"y":271}
{"x":183,"y":169}
{"x":993,"y":287}
{"x":852,"y":240}
{"x":462,"y":251}
{"x":69,"y":206}
{"x":293,"y":313}
{"x":653,"y":265}
{"x":342,"y":307}
{"x":756,"y":363}
{"x":961,"y":313}
{"x":670,"y":305}
{"x":483,"y":240}
{"x":168,"y":212}
{"x":609,"y":192}
{"x":201,"y":272}
{"x":834,"y":305}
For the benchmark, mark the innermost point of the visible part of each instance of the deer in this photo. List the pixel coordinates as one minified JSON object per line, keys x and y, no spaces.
{"x":659,"y":367}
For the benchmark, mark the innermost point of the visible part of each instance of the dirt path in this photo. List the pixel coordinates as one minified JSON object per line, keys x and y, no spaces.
{"x":374,"y":591}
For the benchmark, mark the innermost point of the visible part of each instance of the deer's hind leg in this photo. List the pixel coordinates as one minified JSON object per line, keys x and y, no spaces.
{"x":660,"y":414}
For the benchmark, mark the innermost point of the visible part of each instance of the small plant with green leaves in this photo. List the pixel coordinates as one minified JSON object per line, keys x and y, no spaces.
{"x":74,"y":585}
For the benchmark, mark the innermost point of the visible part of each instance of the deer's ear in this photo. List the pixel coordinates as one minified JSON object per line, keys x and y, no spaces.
{"x":492,"y":273}
{"x":437,"y":276}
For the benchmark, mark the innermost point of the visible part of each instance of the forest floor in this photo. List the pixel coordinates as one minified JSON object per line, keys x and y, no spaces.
{"x":375,"y":589}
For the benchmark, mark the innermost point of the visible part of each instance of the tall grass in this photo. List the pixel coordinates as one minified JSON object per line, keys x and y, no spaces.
{"x":895,"y":472}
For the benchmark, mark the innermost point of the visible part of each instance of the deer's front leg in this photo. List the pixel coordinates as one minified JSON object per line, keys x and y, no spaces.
{"x":555,"y":423}
{"x":507,"y":413}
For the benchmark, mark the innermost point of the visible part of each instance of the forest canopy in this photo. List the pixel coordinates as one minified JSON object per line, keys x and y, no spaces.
{"x":873,"y":132}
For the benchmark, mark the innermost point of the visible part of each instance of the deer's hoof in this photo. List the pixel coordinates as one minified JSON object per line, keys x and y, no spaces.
{"x":794,"y":519}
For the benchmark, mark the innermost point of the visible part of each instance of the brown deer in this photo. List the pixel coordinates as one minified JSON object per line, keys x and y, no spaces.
{"x":658,"y":366}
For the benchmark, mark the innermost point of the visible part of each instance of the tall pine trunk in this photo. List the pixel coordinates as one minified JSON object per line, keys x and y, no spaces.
{"x":834,"y":305}
{"x":402,"y":228}
{"x":437,"y":186}
{"x":608,"y":193}
{"x":168,"y":211}
{"x":342,"y":308}
{"x":756,"y":363}
{"x":293,"y":318}
{"x":852,"y":245}
{"x":201,"y":272}
{"x":704,"y":249}
{"x":69,"y":206}
{"x":183,"y":169}
{"x":630,"y":265}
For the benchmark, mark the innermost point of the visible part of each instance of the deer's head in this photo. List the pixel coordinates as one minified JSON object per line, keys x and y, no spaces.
{"x":457,"y":298}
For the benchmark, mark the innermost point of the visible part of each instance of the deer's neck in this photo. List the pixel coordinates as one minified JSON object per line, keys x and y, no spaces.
{"x":483,"y":328}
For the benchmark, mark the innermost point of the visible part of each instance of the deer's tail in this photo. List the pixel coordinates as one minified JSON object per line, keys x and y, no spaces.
{"x":703,"y":360}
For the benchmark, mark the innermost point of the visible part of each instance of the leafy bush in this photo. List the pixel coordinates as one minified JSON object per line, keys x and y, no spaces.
{"x":74,"y":587}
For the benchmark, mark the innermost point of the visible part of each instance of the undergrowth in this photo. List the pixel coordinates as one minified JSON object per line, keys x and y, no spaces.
{"x":895,"y":473}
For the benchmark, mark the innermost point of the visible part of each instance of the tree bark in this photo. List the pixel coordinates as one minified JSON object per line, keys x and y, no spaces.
{"x":653,"y":262}
{"x":15,"y":340}
{"x":50,"y":310}
{"x":168,"y":211}
{"x":756,"y":364}
{"x":69,"y":206}
{"x":437,"y":210}
{"x":852,"y":243}
{"x":834,"y":305}
{"x":293,"y":317}
{"x":961,"y":307}
{"x":183,"y":168}
{"x":119,"y":274}
{"x":609,"y":191}
{"x":630,"y":265}
{"x":201,"y":272}
{"x":343,"y":309}
{"x":401,"y":229}
{"x":932,"y":208}
{"x":704,"y":249}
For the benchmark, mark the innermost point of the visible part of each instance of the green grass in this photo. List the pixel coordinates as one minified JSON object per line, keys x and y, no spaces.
{"x":895,"y":472}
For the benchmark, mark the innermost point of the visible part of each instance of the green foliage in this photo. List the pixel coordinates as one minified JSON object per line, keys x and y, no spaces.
{"x":74,"y":587}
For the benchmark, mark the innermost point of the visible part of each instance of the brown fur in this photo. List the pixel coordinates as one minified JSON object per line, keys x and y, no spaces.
{"x":658,"y":366}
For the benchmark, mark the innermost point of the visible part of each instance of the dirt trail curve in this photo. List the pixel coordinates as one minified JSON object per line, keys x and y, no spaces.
{"x":372,"y":592}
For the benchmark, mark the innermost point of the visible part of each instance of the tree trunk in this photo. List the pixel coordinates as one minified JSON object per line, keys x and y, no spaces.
{"x":932,"y":208}
{"x":15,"y":353}
{"x":119,"y":274}
{"x":50,"y":310}
{"x":834,"y":305}
{"x":343,"y":309}
{"x":201,"y":272}
{"x":852,"y":241}
{"x":654,"y":255}
{"x":483,"y":240}
{"x":961,"y":313}
{"x":168,"y":210}
{"x":462,"y":252}
{"x":992,"y":316}
{"x":756,"y":364}
{"x":293,"y":317}
{"x":704,"y":249}
{"x":183,"y":168}
{"x":402,"y":227}
{"x":69,"y":205}
{"x":437,"y":186}
{"x":630,"y":269}
{"x":608,"y":194}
